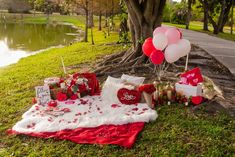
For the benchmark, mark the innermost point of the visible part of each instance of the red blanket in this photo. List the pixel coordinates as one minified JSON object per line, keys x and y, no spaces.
{"x":123,"y":135}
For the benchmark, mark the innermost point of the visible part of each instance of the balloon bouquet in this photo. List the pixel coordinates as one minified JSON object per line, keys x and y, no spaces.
{"x":167,"y":43}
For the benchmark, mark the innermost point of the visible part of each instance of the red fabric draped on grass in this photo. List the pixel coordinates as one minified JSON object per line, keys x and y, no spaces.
{"x":122,"y":135}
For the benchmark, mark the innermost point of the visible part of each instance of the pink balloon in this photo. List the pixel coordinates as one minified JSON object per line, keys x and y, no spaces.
{"x":160,"y":41}
{"x":184,"y":46}
{"x":161,"y":29}
{"x":173,"y":36}
{"x":172,"y":53}
{"x":157,"y":57}
{"x":148,"y":47}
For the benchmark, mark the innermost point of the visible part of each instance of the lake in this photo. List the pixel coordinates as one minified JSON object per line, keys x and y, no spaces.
{"x":18,"y":40}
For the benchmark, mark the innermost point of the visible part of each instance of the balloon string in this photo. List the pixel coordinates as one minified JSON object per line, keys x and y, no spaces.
{"x":186,"y":64}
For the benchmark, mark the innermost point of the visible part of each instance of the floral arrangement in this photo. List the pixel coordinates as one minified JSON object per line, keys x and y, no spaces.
{"x":166,"y":94}
{"x":72,"y":86}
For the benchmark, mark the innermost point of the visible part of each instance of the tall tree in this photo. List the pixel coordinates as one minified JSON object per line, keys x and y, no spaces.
{"x":144,"y":16}
{"x":220,"y":7}
{"x":189,"y":14}
{"x":232,"y":18}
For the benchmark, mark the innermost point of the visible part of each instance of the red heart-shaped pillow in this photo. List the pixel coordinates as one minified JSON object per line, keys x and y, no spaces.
{"x":128,"y":97}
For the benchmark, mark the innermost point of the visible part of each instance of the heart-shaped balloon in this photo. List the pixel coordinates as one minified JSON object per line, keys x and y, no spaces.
{"x":128,"y":97}
{"x":196,"y":100}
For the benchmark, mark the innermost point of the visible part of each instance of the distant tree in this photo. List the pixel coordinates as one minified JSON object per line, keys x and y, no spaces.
{"x":179,"y":13}
{"x":189,"y":12}
{"x":214,"y":8}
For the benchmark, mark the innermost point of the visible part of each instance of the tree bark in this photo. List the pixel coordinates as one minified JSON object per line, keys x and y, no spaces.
{"x":232,"y":19}
{"x":143,"y":17}
{"x":86,"y":25}
{"x":205,"y":10}
{"x":100,"y":21}
{"x":189,"y":13}
{"x":106,"y":13}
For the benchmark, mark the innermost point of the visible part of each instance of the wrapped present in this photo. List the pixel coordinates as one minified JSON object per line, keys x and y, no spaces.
{"x":190,"y":83}
{"x":189,"y":90}
{"x":192,"y":77}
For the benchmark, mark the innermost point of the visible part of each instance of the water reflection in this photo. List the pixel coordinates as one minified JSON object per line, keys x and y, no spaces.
{"x":8,"y":56}
{"x":19,"y":40}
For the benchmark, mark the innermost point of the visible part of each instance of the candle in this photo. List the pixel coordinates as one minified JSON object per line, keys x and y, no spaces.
{"x":155,"y":95}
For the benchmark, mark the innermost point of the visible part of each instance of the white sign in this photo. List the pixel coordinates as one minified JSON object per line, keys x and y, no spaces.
{"x":43,"y":94}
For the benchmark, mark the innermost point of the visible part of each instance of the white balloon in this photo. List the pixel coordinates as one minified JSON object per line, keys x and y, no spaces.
{"x":160,"y":41}
{"x":172,"y":53}
{"x":185,"y":47}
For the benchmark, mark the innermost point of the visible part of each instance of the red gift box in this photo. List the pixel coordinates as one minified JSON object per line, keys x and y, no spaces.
{"x":192,"y":77}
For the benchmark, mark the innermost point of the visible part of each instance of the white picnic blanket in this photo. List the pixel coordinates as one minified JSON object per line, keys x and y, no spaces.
{"x":89,"y":111}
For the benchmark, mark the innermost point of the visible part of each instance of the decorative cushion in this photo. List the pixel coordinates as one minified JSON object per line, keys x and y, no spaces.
{"x":133,"y":79}
{"x":128,"y":97}
{"x":110,"y":89}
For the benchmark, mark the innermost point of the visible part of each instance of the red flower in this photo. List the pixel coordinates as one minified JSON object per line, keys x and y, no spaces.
{"x":148,"y":88}
{"x":75,"y":76}
{"x":52,"y":103}
{"x":74,"y":97}
{"x":61,"y":80}
{"x":61,"y":96}
{"x":82,"y":88}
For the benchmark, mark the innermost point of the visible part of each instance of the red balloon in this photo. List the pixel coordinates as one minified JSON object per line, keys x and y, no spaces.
{"x":157,"y":57}
{"x":148,"y":47}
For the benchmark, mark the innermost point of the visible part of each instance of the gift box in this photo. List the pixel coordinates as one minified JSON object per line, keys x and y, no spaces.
{"x":190,"y":83}
{"x":189,"y":90}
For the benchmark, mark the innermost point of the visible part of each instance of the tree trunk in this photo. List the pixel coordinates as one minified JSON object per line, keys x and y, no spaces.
{"x":100,"y":21}
{"x":205,"y":10}
{"x":92,"y":23}
{"x":123,"y":31}
{"x":92,"y":37}
{"x":143,"y":17}
{"x":221,"y":17}
{"x":90,"y":20}
{"x":189,"y":13}
{"x":226,"y":16}
{"x":232,"y":19}
{"x":106,"y":14}
{"x":112,"y":13}
{"x":86,"y":25}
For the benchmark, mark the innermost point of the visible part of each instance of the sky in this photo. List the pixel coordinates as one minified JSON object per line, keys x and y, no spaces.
{"x":177,"y":0}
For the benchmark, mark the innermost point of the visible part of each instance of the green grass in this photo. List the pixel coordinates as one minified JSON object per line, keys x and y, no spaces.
{"x":198,"y":26}
{"x":176,"y":132}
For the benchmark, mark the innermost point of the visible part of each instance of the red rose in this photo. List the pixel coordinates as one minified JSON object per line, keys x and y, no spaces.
{"x":148,"y":88}
{"x":75,"y":76}
{"x":82,"y":88}
{"x":52,"y":103}
{"x":61,"y":96}
{"x":74,"y":97}
{"x":61,"y":80}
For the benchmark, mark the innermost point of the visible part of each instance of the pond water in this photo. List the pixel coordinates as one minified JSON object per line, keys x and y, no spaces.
{"x":19,"y":40}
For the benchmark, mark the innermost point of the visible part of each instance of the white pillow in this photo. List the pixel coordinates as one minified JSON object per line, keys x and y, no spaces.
{"x":110,"y":89}
{"x":133,"y":79}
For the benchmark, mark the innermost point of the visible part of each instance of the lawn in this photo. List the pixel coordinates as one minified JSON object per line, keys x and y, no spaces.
{"x":177,"y":131}
{"x":198,"y":26}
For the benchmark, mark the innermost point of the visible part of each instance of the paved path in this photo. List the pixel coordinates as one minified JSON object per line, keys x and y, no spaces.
{"x":222,"y":50}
